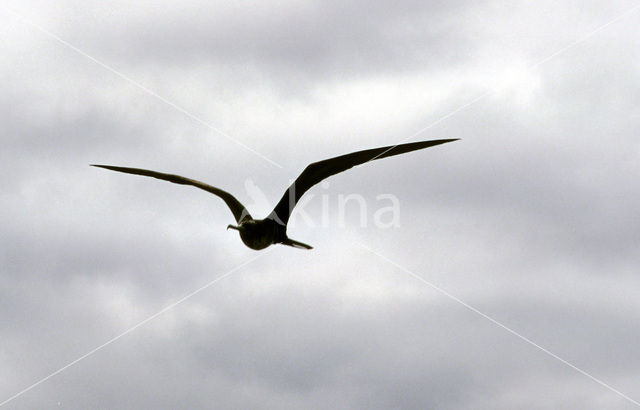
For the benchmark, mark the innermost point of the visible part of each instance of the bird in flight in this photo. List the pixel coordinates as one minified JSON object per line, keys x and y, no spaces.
{"x":259,"y":233}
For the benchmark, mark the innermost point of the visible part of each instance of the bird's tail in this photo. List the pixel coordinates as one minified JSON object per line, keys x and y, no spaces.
{"x":296,"y":244}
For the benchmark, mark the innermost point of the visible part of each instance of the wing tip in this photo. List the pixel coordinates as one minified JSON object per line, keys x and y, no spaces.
{"x":109,"y":167}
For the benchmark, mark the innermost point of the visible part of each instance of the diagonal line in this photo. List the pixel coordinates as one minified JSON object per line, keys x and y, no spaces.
{"x":140,"y":86}
{"x":505,"y":327}
{"x":131,"y":329}
{"x":539,"y":63}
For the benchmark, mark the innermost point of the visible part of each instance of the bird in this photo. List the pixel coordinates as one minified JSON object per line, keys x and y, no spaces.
{"x":258,"y":234}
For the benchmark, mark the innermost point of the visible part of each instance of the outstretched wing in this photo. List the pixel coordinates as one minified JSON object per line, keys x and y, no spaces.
{"x":320,"y":170}
{"x":238,"y":210}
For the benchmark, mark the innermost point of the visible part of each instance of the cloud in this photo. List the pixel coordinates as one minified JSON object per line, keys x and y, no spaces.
{"x":530,"y":218}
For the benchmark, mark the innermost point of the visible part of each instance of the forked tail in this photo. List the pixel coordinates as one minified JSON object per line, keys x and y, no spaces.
{"x":296,"y":244}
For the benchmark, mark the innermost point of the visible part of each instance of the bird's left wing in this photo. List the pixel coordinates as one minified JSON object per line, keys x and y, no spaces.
{"x":320,"y":170}
{"x":239,"y":211}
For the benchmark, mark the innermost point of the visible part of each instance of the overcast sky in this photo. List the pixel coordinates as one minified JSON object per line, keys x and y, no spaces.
{"x":532,"y":218}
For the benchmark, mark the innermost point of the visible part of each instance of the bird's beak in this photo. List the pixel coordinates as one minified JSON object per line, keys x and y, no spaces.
{"x":237,"y":228}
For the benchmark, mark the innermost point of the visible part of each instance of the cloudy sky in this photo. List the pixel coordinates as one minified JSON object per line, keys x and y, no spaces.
{"x":532,"y":219}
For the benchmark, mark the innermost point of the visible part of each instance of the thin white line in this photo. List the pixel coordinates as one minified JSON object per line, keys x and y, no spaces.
{"x":491,"y":91}
{"x":585,"y":38}
{"x":513,"y":332}
{"x":131,"y":329}
{"x":140,"y":86}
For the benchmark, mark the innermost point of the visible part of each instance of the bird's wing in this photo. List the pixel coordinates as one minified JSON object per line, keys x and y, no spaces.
{"x":238,"y":210}
{"x":320,"y":170}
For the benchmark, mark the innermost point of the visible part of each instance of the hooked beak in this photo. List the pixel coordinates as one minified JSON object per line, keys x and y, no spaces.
{"x":237,"y":228}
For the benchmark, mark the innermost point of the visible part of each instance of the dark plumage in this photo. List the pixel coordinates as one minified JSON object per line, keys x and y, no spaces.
{"x":260,"y":233}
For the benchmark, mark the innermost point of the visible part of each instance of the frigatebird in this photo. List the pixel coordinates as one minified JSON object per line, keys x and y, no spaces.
{"x":259,"y":233}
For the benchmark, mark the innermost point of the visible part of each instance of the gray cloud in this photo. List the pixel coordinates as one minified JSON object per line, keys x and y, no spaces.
{"x":531,"y":218}
{"x":308,"y":39}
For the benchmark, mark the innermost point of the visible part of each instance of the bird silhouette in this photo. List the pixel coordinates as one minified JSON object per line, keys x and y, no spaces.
{"x":259,"y":233}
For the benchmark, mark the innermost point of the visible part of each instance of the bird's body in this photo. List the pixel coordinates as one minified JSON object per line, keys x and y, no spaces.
{"x":260,"y":233}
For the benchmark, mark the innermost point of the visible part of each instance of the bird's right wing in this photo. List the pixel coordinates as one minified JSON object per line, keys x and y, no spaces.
{"x":240,"y":213}
{"x":320,"y":170}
